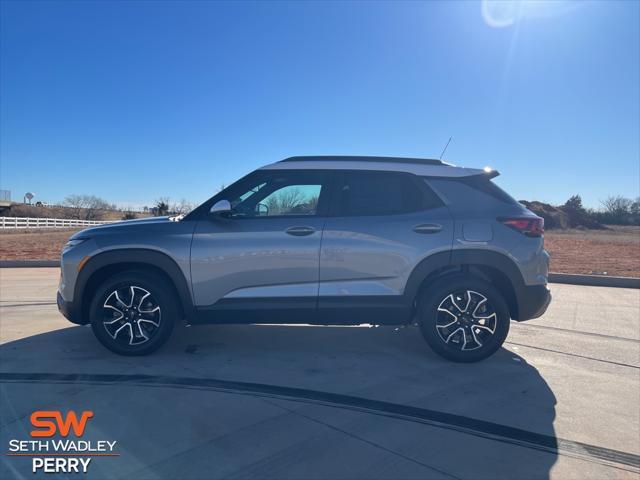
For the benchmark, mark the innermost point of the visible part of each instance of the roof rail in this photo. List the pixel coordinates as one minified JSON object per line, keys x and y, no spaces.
{"x":347,"y":158}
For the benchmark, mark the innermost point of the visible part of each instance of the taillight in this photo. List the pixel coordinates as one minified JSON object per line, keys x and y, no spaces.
{"x":529,"y":226}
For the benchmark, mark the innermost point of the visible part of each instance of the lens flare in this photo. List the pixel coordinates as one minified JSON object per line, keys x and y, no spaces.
{"x":504,"y":13}
{"x":501,"y":13}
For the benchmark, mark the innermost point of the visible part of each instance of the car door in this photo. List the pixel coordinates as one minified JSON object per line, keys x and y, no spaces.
{"x":381,"y":225}
{"x":266,"y":252}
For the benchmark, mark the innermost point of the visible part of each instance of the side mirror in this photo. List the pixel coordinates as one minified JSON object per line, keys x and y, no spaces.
{"x":221,"y":208}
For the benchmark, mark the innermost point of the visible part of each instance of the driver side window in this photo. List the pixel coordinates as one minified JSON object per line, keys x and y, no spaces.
{"x":276,"y":194}
{"x":292,"y":200}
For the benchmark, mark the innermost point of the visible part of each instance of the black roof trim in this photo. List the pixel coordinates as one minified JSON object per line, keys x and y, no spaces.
{"x":348,"y":158}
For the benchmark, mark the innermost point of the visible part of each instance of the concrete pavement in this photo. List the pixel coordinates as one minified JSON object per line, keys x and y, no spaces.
{"x":559,"y":401}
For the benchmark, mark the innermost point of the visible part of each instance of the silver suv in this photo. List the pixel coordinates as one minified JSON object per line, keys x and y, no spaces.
{"x":320,"y":240}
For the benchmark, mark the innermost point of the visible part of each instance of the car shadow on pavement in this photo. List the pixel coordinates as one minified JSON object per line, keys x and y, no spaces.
{"x":382,"y":386}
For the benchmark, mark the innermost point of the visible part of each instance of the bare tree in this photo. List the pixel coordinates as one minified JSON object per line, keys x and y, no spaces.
{"x":76,"y":202}
{"x":312,"y":204}
{"x":182,"y":207}
{"x":617,"y":206}
{"x":289,"y":201}
{"x":86,"y":207}
{"x":283,"y":201}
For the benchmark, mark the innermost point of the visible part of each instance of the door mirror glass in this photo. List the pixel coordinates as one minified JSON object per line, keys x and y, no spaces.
{"x":221,"y":208}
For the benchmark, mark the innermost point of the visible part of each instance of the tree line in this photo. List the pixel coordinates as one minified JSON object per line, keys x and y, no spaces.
{"x":615,"y":210}
{"x":92,"y":207}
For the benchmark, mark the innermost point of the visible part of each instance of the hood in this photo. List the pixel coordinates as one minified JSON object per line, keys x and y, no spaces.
{"x":123,"y":225}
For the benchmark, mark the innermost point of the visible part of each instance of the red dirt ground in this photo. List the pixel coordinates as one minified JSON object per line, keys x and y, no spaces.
{"x":605,"y":252}
{"x":613,"y":252}
{"x":33,"y":245}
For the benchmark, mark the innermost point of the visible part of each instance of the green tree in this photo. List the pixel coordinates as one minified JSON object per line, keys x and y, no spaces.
{"x":575,"y":203}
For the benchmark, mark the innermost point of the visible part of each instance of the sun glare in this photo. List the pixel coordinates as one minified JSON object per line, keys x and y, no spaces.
{"x":501,"y":13}
{"x":504,"y":13}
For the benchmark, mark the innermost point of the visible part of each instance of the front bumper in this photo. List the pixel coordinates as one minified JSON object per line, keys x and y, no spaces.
{"x":67,"y":309}
{"x":532,"y":302}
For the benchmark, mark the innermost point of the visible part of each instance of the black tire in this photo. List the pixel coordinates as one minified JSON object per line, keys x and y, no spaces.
{"x":469,"y":339}
{"x":141,"y":336}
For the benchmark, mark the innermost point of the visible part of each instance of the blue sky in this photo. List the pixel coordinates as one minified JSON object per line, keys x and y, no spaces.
{"x":136,"y":100}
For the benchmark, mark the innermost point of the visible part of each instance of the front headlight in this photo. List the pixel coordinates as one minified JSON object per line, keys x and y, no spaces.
{"x":73,"y":242}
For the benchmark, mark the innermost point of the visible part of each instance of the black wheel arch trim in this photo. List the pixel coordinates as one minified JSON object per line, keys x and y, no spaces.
{"x":423,"y":270}
{"x":489,"y":258}
{"x":524,"y":307}
{"x":153,"y":258}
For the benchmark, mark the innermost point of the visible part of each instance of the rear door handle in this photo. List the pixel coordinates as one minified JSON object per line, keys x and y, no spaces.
{"x":300,"y":231}
{"x":426,"y":228}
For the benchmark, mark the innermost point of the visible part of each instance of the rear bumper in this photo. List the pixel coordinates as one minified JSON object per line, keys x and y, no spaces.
{"x":67,"y":309}
{"x":532,"y":302}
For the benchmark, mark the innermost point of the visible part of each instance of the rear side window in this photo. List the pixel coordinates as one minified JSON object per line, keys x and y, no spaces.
{"x":475,"y":191}
{"x":365,"y":193}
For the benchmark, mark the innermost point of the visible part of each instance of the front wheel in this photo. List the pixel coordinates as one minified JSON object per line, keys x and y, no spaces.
{"x":464,"y":319}
{"x":133,"y":313}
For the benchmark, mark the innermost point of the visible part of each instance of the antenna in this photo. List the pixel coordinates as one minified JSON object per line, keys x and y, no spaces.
{"x":445,"y":148}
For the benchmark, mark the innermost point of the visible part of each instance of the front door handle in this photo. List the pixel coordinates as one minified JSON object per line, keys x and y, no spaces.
{"x":300,"y":231}
{"x":426,"y":228}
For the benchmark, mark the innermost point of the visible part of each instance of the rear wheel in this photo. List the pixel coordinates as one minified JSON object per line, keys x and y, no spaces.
{"x":464,"y":319}
{"x":133,"y":313}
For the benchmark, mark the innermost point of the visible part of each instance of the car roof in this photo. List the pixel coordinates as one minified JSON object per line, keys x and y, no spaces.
{"x":417,"y":166}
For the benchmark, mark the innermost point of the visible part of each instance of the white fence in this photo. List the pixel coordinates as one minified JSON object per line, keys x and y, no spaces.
{"x":27,"y":222}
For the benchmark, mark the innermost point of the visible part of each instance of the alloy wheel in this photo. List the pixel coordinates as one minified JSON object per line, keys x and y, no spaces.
{"x":131,"y":315}
{"x":466,"y":320}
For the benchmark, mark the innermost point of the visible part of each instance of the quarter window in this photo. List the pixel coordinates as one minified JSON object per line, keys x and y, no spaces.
{"x":476,"y":192}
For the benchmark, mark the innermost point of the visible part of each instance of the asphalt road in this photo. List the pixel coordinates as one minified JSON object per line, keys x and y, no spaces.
{"x":561,"y":400}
